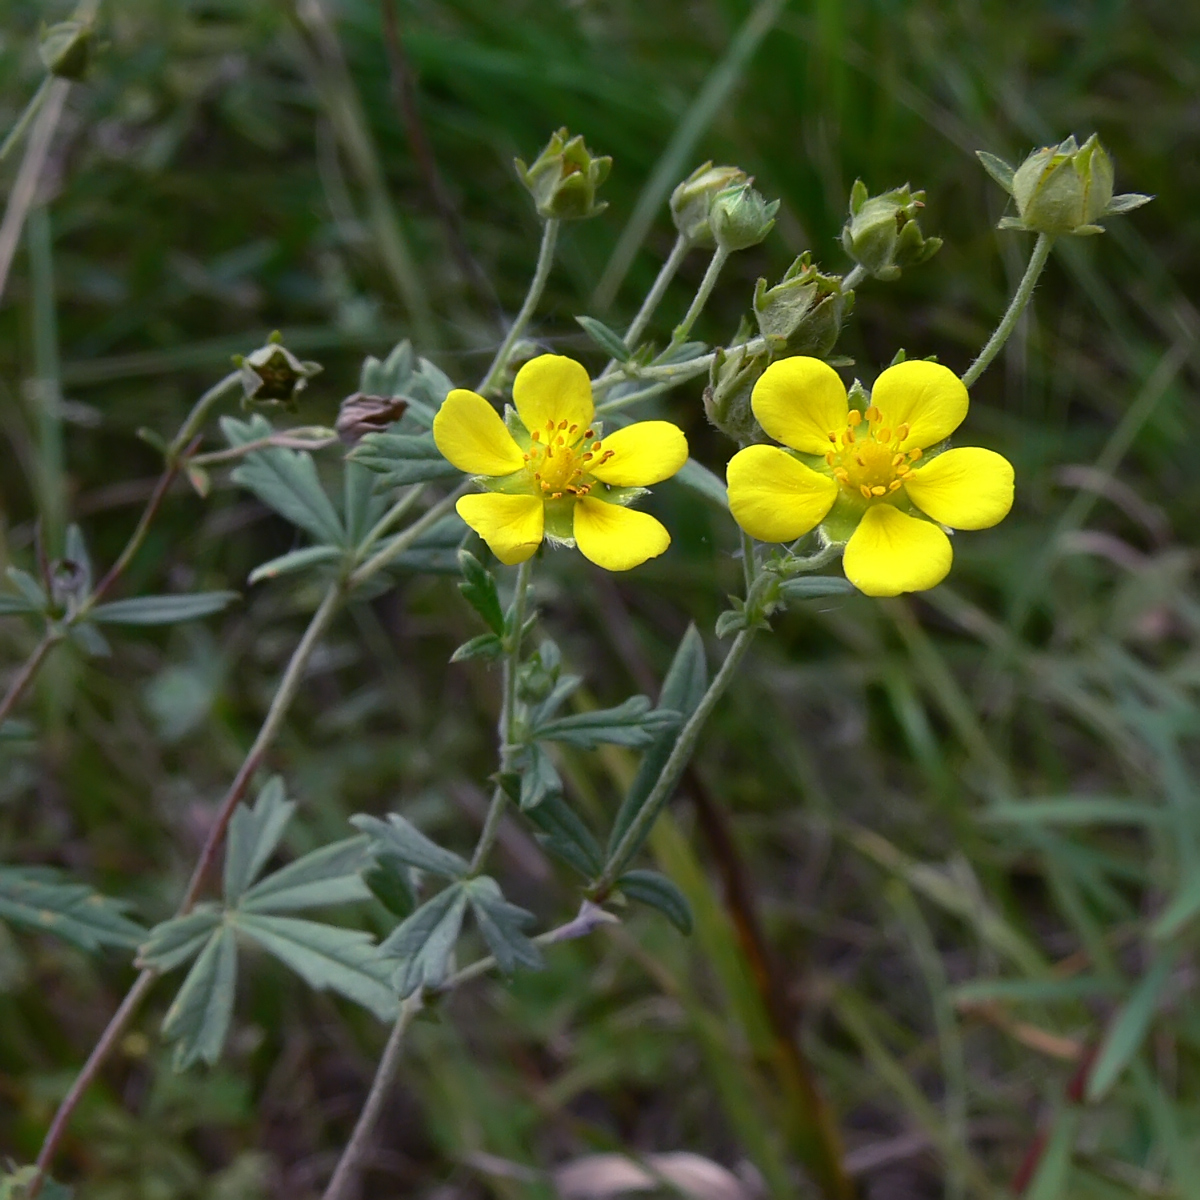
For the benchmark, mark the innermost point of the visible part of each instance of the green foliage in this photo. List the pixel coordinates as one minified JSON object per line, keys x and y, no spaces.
{"x":43,"y":899}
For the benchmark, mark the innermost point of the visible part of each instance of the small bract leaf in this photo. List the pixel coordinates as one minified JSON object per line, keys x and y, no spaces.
{"x":632,"y":723}
{"x":607,"y":339}
{"x":649,"y":887}
{"x":997,"y":168}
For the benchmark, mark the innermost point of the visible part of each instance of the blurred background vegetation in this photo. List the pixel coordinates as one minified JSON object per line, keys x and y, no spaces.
{"x":930,"y":841}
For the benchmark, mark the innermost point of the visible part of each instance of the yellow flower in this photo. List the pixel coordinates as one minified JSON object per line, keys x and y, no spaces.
{"x":856,"y":474}
{"x":548,"y":472}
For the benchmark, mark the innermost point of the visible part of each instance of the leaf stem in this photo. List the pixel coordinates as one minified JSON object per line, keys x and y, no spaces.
{"x":679,"y":252}
{"x":1021,"y":298}
{"x":346,"y":1174}
{"x":390,"y":517}
{"x":715,"y":265}
{"x":405,"y":538}
{"x":681,"y":754}
{"x":25,"y":675}
{"x":31,"y":110}
{"x":508,"y":710}
{"x":536,"y":287}
{"x":199,"y":414}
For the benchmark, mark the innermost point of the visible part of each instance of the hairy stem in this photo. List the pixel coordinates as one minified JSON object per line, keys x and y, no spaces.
{"x":346,"y":1174}
{"x":1021,"y":298}
{"x":715,"y":266}
{"x":856,"y":275}
{"x":654,"y":296}
{"x":536,"y":287}
{"x":685,"y":746}
{"x":29,"y":669}
{"x":199,"y":414}
{"x":288,"y":687}
{"x":389,"y":518}
{"x":31,"y":110}
{"x":405,"y":538}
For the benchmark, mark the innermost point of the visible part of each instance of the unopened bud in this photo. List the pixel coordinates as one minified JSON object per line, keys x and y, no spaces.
{"x":731,"y":379}
{"x":361,"y":414}
{"x":563,"y":179}
{"x":539,"y":673}
{"x":65,"y":49}
{"x":804,"y":311}
{"x":1063,"y":189}
{"x":882,"y":234}
{"x":741,"y":218}
{"x":692,"y":200}
{"x":272,"y":374}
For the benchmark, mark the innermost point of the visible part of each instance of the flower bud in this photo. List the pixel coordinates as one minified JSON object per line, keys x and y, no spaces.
{"x":65,"y":49}
{"x":740,"y":217}
{"x":538,"y":674}
{"x":361,"y":414}
{"x":272,"y":374}
{"x":882,"y":234}
{"x":564,"y":177}
{"x":731,"y":379}
{"x":804,"y":311}
{"x":692,"y":200}
{"x":1063,"y":189}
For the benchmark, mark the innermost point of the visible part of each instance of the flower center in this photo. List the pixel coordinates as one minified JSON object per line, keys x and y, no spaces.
{"x":559,"y":460}
{"x":869,"y":462}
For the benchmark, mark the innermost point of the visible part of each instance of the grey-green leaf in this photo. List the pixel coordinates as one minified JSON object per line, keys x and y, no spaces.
{"x":162,"y":610}
{"x":563,"y":833}
{"x":174,"y":942}
{"x":284,"y":480}
{"x":682,"y":690}
{"x":403,"y":458}
{"x":1126,"y":202}
{"x":997,"y":168}
{"x":198,"y":1019}
{"x":35,"y":595}
{"x":330,"y":875}
{"x":13,"y":606}
{"x":539,"y":778}
{"x":254,"y":834}
{"x":502,"y":925}
{"x":296,"y":560}
{"x":405,"y":841}
{"x":391,"y":884}
{"x":810,"y":587}
{"x":424,"y":942}
{"x":479,"y":589}
{"x":632,"y":723}
{"x":607,"y":339}
{"x":649,"y":887}
{"x":1129,"y":1027}
{"x":325,"y":956}
{"x":41,"y":898}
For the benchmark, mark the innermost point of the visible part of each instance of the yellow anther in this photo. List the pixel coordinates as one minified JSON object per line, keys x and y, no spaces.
{"x":832,"y":437}
{"x":894,"y":485}
{"x":536,"y":435}
{"x":898,"y":460}
{"x":901,"y":432}
{"x":841,"y":475}
{"x":573,"y":428}
{"x":902,"y":470}
{"x":866,"y":491}
{"x":873,"y":414}
{"x":854,"y":418}
{"x":829,"y":458}
{"x":858,"y":458}
{"x":915,"y":453}
{"x":878,"y":490}
{"x":563,"y":423}
{"x":883,"y":435}
{"x":589,"y":433}
{"x":850,"y":436}
{"x":595,"y":445}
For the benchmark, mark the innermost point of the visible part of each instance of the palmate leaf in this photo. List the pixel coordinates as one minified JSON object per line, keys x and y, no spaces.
{"x":632,"y":723}
{"x":161,"y":610}
{"x":398,"y":459}
{"x":362,"y":502}
{"x":173,"y":942}
{"x":284,"y":480}
{"x":198,"y":1019}
{"x":43,"y":899}
{"x":325,"y":957}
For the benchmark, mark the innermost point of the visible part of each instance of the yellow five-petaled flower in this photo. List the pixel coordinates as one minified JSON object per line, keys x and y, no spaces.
{"x":865,"y":476}
{"x":550,"y":473}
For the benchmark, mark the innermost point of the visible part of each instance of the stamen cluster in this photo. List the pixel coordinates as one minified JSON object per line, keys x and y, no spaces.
{"x":870,"y":462}
{"x":560,"y":464}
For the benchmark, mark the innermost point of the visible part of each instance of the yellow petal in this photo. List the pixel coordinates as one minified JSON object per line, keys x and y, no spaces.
{"x":891,"y":552}
{"x":927,"y":397}
{"x":470,"y":433}
{"x":642,"y":454}
{"x":967,"y":488}
{"x":617,"y":538}
{"x":775,"y":498}
{"x":554,"y":388}
{"x":511,"y":525}
{"x":800,"y":402}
